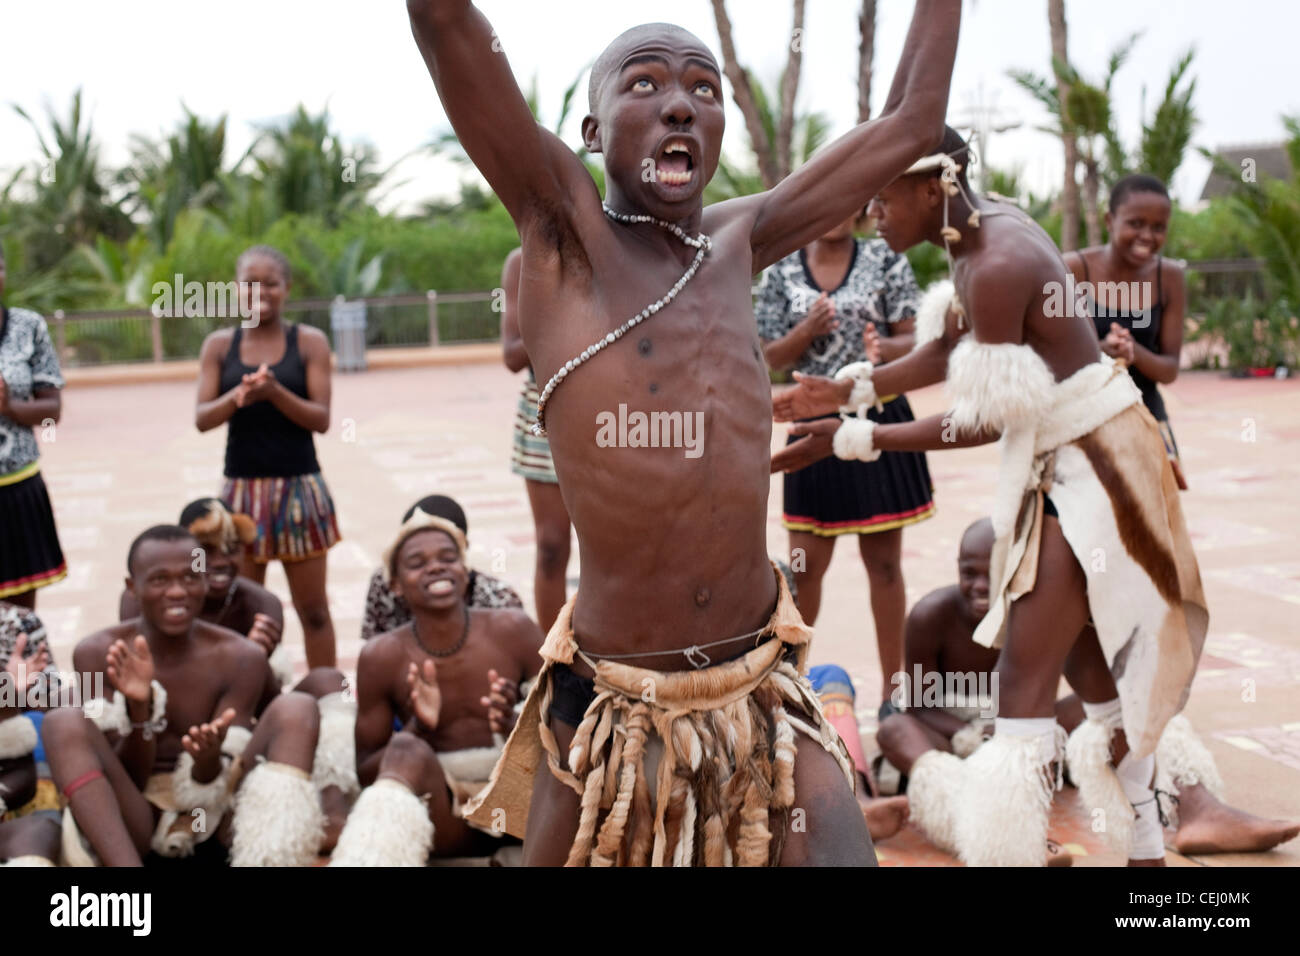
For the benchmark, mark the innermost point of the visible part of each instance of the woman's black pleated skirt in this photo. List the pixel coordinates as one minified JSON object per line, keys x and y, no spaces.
{"x":30,"y":556}
{"x":834,"y":497}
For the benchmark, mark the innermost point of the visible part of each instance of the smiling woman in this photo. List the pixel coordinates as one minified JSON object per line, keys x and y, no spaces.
{"x":1146,"y":332}
{"x":270,"y":380}
{"x":30,"y":383}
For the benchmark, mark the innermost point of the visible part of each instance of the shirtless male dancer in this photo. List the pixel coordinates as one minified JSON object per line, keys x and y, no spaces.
{"x":673,"y":548}
{"x":1088,"y":523}
{"x":246,"y":607}
{"x":156,"y":766}
{"x":940,"y":632}
{"x":435,"y":698}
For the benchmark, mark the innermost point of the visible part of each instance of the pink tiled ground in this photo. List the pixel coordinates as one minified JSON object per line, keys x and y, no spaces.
{"x":127,"y":456}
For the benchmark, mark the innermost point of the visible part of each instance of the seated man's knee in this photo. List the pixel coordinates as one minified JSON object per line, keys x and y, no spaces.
{"x":294,"y":709}
{"x":406,"y":748}
{"x":321,"y":681}
{"x":890,"y":733}
{"x":63,"y":725}
{"x":31,"y":836}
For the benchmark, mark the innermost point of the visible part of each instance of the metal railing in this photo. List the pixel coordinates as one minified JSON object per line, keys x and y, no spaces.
{"x":117,"y":336}
{"x":429,"y":319}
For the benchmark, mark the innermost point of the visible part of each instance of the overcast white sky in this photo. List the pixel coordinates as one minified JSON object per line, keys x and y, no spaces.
{"x":256,"y":59}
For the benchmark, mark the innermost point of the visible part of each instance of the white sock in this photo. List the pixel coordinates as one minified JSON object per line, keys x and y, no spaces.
{"x":1042,"y":727}
{"x":1102,"y":712}
{"x":1148,"y":835}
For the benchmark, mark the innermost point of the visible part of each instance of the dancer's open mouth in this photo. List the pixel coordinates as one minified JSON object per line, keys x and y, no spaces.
{"x":676,"y":162}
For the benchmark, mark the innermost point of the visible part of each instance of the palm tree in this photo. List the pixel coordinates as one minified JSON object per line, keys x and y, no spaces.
{"x":71,"y":203}
{"x":302,"y":166}
{"x":1085,"y":118}
{"x":772,"y":132}
{"x":810,"y":131}
{"x":185,"y":171}
{"x":345,"y":275}
{"x":1166,"y":137}
{"x":1265,"y":218}
{"x":866,"y":54}
{"x":1070,"y":191}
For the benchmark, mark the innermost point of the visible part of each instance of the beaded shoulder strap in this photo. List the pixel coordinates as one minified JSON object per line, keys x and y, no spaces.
{"x":701,"y":243}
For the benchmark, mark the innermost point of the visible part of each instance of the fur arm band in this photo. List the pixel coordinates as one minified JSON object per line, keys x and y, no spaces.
{"x":17,"y":737}
{"x":864,"y":391}
{"x":967,"y":740}
{"x":281,"y":666}
{"x":112,"y":715}
{"x":932,"y":313}
{"x":189,"y":793}
{"x":853,"y":440}
{"x":237,"y":739}
{"x":215,"y":793}
{"x":998,"y":386}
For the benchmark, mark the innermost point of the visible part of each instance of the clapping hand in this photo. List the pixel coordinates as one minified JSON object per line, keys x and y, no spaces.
{"x":500,"y":701}
{"x":817,"y":445}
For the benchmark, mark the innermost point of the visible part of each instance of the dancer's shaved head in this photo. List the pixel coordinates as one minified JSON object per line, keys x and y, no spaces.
{"x":666,"y":35}
{"x":977,"y":540}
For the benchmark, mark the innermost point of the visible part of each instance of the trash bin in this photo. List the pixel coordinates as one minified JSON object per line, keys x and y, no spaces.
{"x":348,"y":324}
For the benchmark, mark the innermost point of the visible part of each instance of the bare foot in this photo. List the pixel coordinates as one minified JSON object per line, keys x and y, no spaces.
{"x":1058,"y":855}
{"x":1207,"y":825}
{"x":885,"y":815}
{"x":335,"y":805}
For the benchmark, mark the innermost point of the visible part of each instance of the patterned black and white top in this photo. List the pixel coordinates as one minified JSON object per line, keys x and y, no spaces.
{"x":27,"y":362}
{"x":15,"y":622}
{"x":386,"y":611}
{"x":879,"y":288}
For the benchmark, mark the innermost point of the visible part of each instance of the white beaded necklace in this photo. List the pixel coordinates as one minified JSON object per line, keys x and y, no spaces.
{"x":701,"y":243}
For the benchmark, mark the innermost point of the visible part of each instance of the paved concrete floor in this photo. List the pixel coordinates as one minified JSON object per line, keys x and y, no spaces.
{"x":128,"y":456}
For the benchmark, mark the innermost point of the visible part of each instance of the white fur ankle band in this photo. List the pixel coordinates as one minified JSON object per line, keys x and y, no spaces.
{"x":389,"y":826}
{"x":1182,"y":760}
{"x":863,"y":395}
{"x":854,"y":440}
{"x":335,"y":763}
{"x":17,"y":737}
{"x":278,"y":819}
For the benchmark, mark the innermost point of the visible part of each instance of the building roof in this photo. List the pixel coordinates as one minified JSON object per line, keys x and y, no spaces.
{"x":1271,"y":159}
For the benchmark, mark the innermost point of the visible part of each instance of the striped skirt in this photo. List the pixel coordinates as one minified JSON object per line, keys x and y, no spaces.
{"x":531,"y":456}
{"x":294,"y":516}
{"x":30,"y":556}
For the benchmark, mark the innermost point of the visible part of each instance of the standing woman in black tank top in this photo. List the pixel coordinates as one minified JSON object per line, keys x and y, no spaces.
{"x":1143,"y":325}
{"x":271,"y":383}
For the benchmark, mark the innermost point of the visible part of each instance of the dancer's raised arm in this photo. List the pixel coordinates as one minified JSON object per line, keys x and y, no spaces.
{"x":849,"y":172}
{"x":529,"y":168}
